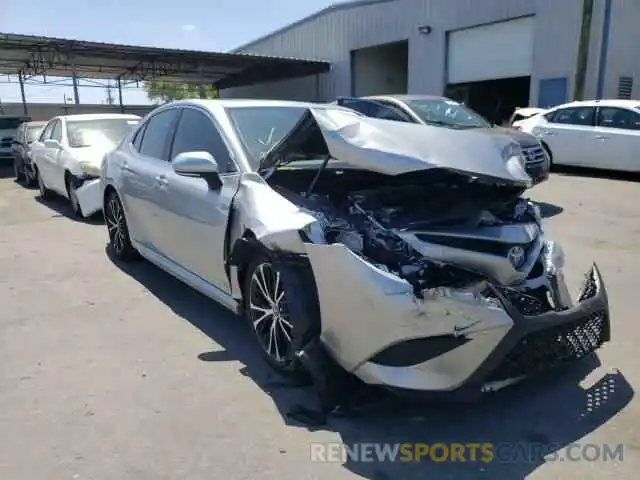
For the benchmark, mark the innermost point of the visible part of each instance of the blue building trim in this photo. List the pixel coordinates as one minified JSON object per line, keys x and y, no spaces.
{"x":604,"y":48}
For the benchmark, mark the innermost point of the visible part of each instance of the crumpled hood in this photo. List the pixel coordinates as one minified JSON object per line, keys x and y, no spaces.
{"x":394,"y":148}
{"x":523,"y":138}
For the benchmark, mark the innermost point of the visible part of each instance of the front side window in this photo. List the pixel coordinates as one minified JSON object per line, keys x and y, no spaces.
{"x":573,"y":116}
{"x":106,"y":132}
{"x":446,"y":113}
{"x":621,"y":118}
{"x":56,"y":133}
{"x":46,"y":133}
{"x":197,"y":133}
{"x":157,"y":133}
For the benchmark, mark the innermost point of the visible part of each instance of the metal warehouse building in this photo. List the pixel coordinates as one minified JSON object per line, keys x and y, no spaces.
{"x":488,"y":53}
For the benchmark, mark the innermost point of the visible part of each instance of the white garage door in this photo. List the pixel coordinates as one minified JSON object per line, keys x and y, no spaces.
{"x":498,"y":50}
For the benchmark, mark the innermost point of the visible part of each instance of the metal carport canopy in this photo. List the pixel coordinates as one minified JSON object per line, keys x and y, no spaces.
{"x":27,"y":55}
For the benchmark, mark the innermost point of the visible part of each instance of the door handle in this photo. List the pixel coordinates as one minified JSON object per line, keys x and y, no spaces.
{"x":127,"y":168}
{"x":547,"y":133}
{"x":162,"y":180}
{"x":600,"y":137}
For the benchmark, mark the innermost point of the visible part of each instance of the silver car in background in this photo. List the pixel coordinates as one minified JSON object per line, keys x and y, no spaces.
{"x":401,"y":254}
{"x":68,"y":155}
{"x":27,"y":133}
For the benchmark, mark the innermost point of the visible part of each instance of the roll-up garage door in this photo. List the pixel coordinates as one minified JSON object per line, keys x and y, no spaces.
{"x":493,"y":51}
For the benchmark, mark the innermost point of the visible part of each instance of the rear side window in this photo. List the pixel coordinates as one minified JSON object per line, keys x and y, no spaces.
{"x":157,"y":134}
{"x":573,"y":116}
{"x":621,"y":118}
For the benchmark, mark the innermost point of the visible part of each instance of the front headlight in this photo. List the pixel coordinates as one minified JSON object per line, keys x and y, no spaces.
{"x":89,"y":168}
{"x":514,"y":160}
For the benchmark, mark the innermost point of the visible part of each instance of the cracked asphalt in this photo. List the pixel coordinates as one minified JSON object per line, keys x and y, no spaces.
{"x":110,"y":374}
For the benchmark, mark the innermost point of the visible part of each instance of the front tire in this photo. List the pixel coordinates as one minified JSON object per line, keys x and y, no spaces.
{"x":18,"y":172}
{"x":281,"y":312}
{"x":29,"y":176}
{"x":45,"y":193}
{"x":119,"y":239}
{"x":73,"y":199}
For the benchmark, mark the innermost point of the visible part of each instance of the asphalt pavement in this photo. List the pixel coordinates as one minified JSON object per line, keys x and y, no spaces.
{"x":124,"y":373}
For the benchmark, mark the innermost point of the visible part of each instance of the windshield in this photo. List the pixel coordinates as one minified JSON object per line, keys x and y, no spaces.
{"x":10,"y":123}
{"x":33,"y":133}
{"x":446,"y":113}
{"x":105,"y":132}
{"x":261,"y":128}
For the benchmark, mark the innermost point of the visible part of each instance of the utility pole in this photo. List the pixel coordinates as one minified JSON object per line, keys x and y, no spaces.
{"x":583,"y":50}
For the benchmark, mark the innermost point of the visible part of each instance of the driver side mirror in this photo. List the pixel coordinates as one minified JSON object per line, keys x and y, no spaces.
{"x":198,"y":165}
{"x":51,"y":144}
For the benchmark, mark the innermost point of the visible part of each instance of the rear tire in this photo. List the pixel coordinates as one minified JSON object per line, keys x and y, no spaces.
{"x":281,"y":312}
{"x":118,"y":230}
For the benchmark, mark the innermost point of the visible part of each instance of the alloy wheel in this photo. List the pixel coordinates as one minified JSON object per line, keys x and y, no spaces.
{"x":268,"y":313}
{"x":114,"y":217}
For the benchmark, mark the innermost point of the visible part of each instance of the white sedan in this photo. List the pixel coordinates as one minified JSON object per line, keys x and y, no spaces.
{"x":596,"y":134}
{"x":68,"y":156}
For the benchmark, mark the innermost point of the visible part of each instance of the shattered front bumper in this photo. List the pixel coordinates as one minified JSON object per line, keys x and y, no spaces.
{"x":90,"y":197}
{"x":459,"y":342}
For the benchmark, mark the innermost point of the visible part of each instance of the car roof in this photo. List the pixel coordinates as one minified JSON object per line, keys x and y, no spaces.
{"x":613,"y":102}
{"x":243,"y":102}
{"x":405,"y":97}
{"x":98,"y":116}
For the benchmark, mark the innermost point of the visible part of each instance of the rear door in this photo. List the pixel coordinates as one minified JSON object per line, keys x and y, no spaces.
{"x":141,"y":172}
{"x":569,"y":133}
{"x":617,"y":139}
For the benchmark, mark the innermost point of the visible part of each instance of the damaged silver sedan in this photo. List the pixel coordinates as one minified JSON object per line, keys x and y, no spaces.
{"x":403,"y":256}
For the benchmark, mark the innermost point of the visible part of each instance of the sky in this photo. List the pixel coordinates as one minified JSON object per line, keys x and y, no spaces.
{"x":210,"y":25}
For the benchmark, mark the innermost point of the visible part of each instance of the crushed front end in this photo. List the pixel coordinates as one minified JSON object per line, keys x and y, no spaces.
{"x":445,"y":287}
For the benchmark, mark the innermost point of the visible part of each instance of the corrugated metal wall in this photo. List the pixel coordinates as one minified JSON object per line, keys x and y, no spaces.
{"x":332,"y":36}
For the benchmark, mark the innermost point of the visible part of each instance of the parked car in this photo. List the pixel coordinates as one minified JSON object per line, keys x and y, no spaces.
{"x":447,"y":113}
{"x":27,"y":133}
{"x":401,"y":254}
{"x":8,"y":126}
{"x":524,"y":113}
{"x":68,"y":155}
{"x":596,"y":133}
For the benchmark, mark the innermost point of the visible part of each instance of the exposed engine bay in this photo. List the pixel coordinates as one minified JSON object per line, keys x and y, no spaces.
{"x":367,"y":212}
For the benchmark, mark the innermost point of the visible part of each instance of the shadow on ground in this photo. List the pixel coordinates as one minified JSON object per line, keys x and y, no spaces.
{"x":537,"y":417}
{"x":596,"y":173}
{"x":61,"y":206}
{"x":548,"y":210}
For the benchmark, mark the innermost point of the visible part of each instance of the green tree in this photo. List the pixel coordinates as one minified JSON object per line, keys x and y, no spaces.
{"x":161,"y":92}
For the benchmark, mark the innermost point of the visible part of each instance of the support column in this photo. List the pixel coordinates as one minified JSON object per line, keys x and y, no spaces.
{"x":74,"y":78}
{"x":22,"y":94}
{"x":583,"y":50}
{"x":120,"y":95}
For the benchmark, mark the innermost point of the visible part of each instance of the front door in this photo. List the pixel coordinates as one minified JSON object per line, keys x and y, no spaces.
{"x":568,"y":132}
{"x":193,"y":222}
